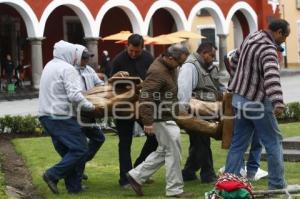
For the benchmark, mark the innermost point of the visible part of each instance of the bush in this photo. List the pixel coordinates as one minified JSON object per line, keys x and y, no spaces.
{"x":20,"y":125}
{"x":291,"y":112}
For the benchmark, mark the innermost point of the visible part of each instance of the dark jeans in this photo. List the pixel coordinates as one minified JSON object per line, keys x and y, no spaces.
{"x":70,"y":143}
{"x":96,"y":139}
{"x":200,"y":157}
{"x":253,"y":162}
{"x":125,"y":132}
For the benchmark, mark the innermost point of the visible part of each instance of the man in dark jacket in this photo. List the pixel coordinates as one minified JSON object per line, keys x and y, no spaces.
{"x":136,"y":62}
{"x":157,"y":97}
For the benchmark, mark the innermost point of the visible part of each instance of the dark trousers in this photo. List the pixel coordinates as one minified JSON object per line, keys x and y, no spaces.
{"x":200,"y":157}
{"x":96,"y":139}
{"x":70,"y":143}
{"x":125,"y":132}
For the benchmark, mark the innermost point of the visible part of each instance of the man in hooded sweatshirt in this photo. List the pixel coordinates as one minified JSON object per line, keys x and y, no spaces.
{"x":59,"y":94}
{"x":257,"y":100}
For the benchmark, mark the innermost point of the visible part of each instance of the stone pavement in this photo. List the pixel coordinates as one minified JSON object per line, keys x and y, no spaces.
{"x":29,"y":104}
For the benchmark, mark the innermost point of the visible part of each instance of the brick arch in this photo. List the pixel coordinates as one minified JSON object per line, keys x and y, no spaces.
{"x":214,"y":10}
{"x":79,"y":8}
{"x":173,"y":8}
{"x":27,"y":14}
{"x":128,"y":7}
{"x":247,"y":11}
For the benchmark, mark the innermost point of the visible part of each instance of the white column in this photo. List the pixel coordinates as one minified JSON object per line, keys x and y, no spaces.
{"x":222,"y":51}
{"x":92,"y":45}
{"x":36,"y":60}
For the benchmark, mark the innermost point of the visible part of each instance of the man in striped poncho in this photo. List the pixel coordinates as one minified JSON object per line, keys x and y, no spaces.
{"x":257,"y":99}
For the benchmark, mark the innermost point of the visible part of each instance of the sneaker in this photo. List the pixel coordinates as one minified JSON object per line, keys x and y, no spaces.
{"x":260,"y":174}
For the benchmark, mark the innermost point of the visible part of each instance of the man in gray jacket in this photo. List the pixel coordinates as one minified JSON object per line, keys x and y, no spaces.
{"x":59,"y":94}
{"x":198,"y":78}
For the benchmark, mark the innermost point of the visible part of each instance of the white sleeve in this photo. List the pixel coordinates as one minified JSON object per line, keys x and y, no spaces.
{"x":97,"y":80}
{"x":187,"y":82}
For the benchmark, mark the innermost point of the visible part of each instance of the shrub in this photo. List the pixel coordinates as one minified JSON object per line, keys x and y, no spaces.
{"x":20,"y":125}
{"x":291,"y":112}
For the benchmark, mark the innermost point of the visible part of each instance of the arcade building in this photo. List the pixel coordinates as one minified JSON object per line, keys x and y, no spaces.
{"x":29,"y":28}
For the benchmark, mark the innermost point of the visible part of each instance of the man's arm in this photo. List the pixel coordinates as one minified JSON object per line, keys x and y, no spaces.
{"x":71,"y":83}
{"x":271,"y":74}
{"x":96,"y":80}
{"x":187,"y":82}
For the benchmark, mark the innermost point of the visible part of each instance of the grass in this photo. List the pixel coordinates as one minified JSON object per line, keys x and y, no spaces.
{"x":103,"y":170}
{"x":2,"y":184}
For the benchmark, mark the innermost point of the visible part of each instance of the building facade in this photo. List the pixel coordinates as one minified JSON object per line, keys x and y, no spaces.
{"x":290,"y":10}
{"x":29,"y":28}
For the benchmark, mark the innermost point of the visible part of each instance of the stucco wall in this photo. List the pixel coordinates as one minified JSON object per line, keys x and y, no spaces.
{"x":292,"y":15}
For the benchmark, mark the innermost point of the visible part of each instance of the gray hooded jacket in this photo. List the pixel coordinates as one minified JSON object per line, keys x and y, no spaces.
{"x":60,"y":88}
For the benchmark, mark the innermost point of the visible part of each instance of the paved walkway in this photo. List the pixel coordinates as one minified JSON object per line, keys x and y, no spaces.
{"x":290,"y":83}
{"x":19,"y":107}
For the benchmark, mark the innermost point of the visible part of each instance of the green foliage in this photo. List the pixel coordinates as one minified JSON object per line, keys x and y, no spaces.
{"x":20,"y":125}
{"x":291,"y":112}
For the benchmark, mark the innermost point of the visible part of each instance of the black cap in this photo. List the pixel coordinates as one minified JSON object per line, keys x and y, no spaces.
{"x":86,"y":54}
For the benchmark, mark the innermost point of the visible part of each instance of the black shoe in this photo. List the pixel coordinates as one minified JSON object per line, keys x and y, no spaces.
{"x":209,"y":180}
{"x":75,"y":192}
{"x":51,"y":184}
{"x":189,"y":177}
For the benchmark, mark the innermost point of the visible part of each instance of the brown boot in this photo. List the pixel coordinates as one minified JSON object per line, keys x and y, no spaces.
{"x":135,"y":185}
{"x":183,"y":195}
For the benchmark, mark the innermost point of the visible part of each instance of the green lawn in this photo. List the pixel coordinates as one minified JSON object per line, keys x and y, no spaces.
{"x":103,"y":170}
{"x":2,"y":191}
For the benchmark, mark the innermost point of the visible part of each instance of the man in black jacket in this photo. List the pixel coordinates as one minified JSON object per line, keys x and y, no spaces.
{"x":136,"y":62}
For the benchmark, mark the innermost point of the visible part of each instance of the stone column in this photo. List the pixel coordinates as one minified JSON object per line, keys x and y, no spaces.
{"x":92,"y":45}
{"x":222,"y":51}
{"x":36,"y":60}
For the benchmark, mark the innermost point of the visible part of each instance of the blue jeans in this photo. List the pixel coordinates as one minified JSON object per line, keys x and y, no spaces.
{"x":70,"y":143}
{"x":258,"y":117}
{"x":253,"y":162}
{"x":96,"y":139}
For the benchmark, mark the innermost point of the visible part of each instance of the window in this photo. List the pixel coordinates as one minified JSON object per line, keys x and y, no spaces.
{"x":209,"y":31}
{"x":210,"y":35}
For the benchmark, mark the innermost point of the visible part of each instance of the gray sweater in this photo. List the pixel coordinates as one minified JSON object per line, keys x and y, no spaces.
{"x":60,"y":87}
